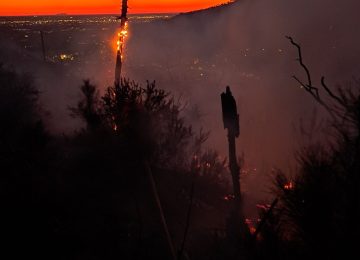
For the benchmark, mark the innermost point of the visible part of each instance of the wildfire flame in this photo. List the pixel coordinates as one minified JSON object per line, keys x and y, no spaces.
{"x":229,"y":197}
{"x":114,"y":125}
{"x":121,"y":35}
{"x":289,"y":186}
{"x":121,"y":39}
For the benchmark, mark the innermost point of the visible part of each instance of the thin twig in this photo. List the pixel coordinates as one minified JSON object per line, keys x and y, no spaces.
{"x":300,"y":59}
{"x":313,"y":91}
{"x":331,"y":94}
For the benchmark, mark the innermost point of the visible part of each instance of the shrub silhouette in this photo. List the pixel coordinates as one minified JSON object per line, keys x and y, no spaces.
{"x":89,"y":108}
{"x":319,"y":208}
{"x":323,"y":206}
{"x":24,"y":159}
{"x":138,"y":124}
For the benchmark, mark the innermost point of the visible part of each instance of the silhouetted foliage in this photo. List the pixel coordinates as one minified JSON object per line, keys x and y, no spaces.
{"x":319,"y":208}
{"x":323,"y":205}
{"x":24,"y":158}
{"x":137,"y":124}
{"x":19,"y":108}
{"x":146,"y":116}
{"x":89,"y":108}
{"x":90,"y":197}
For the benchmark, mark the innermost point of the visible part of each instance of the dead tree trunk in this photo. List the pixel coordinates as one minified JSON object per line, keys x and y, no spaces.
{"x":236,"y":228}
{"x":234,"y":169}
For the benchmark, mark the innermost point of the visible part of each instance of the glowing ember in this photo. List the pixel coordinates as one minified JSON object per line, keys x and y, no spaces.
{"x":263,"y":206}
{"x":252,"y":230}
{"x":250,"y":224}
{"x":229,"y":197}
{"x":114,"y":125}
{"x":66,"y":57}
{"x":289,"y":186}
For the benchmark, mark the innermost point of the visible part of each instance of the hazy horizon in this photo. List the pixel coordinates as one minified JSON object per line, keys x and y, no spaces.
{"x":41,"y":8}
{"x":104,"y":14}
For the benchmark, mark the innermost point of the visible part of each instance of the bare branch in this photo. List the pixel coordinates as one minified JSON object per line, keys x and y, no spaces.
{"x":309,"y":89}
{"x":300,"y":82}
{"x":331,"y":94}
{"x":313,"y":91}
{"x":300,"y":59}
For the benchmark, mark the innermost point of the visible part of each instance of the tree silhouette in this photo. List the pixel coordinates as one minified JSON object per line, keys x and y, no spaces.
{"x":88,"y":108}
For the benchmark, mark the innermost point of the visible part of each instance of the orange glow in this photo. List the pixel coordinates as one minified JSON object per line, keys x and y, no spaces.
{"x":121,"y":39}
{"x":289,"y":186}
{"x":44,"y":7}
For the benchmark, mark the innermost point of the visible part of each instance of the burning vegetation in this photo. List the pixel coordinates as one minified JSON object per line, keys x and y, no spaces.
{"x":138,"y":182}
{"x":122,"y":34}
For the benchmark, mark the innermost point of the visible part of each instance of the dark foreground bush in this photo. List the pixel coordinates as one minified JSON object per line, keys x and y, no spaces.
{"x":88,"y":195}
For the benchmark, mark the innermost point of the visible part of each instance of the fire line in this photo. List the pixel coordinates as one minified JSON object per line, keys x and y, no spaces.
{"x":122,"y":34}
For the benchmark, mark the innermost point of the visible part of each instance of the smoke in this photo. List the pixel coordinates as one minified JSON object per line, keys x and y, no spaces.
{"x":197,"y":55}
{"x":243,"y":45}
{"x":86,"y":42}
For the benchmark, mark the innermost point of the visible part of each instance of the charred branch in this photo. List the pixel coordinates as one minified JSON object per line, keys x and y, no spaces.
{"x":309,"y":87}
{"x":330,"y":93}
